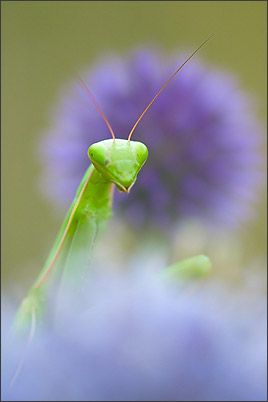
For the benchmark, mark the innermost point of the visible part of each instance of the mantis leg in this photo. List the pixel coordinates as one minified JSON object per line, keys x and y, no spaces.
{"x":189,"y":269}
{"x":70,"y":255}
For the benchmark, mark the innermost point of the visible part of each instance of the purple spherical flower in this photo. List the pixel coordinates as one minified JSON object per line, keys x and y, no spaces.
{"x":201,"y":135}
{"x":135,"y":338}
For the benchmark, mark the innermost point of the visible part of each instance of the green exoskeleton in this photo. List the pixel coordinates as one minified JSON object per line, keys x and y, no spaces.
{"x":114,"y":162}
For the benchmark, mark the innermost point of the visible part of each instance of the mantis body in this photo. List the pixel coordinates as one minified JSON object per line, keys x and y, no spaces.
{"x":114,"y":162}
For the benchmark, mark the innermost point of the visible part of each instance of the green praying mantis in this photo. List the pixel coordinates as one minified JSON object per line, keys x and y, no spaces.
{"x":114,"y":163}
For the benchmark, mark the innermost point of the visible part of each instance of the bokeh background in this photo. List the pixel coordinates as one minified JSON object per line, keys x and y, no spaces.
{"x":38,"y":36}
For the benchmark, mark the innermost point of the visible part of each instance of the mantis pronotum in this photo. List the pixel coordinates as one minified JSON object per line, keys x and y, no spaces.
{"x":114,"y":162}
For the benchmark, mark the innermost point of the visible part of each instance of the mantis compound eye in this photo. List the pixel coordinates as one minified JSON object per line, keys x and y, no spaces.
{"x":97,"y":154}
{"x":141,"y":152}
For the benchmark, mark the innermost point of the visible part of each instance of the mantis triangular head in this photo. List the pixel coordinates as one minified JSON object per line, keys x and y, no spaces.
{"x":119,"y":161}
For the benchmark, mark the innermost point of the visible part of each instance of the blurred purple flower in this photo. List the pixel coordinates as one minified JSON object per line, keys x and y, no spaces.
{"x":201,"y":134}
{"x":143,"y":340}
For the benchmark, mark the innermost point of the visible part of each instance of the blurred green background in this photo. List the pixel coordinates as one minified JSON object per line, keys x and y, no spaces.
{"x":36,"y":36}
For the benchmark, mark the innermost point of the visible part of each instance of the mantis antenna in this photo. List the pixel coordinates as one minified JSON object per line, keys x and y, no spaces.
{"x":87,"y":91}
{"x":158,"y":93}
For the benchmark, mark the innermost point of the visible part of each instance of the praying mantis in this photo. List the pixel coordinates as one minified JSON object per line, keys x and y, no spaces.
{"x":114,"y":163}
